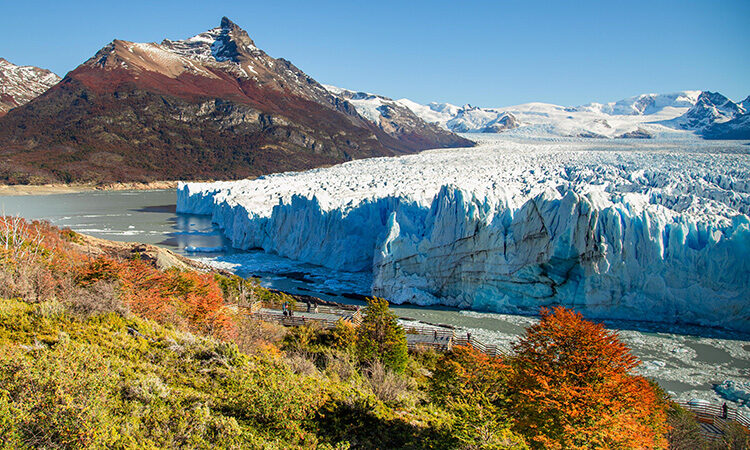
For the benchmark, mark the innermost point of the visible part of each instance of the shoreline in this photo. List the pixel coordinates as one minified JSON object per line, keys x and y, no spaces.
{"x":54,"y":189}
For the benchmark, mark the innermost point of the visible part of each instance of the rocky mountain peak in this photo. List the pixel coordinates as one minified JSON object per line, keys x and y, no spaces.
{"x":227,"y":23}
{"x":714,"y":104}
{"x":227,"y":42}
{"x":711,"y":112}
{"x":21,"y":84}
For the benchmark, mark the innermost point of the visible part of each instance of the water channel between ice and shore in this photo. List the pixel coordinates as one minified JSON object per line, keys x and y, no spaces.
{"x":687,"y":361}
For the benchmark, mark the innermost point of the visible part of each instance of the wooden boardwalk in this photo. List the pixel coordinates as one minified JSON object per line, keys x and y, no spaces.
{"x":323,"y":315}
{"x":418,"y":336}
{"x":712,"y":419}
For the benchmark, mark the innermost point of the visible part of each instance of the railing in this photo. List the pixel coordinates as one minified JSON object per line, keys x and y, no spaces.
{"x":422,"y":337}
{"x":438,"y":338}
{"x":296,"y":321}
{"x":470,"y":341}
{"x":441,"y":333}
{"x":716,"y":414}
{"x":272,"y":312}
{"x":302,"y":307}
{"x":445,"y":339}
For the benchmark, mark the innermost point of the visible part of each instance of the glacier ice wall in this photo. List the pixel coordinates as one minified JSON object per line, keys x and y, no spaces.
{"x":653,"y":232}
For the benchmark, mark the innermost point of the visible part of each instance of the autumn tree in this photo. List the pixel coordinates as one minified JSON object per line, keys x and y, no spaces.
{"x":380,"y":337}
{"x":572,"y":387}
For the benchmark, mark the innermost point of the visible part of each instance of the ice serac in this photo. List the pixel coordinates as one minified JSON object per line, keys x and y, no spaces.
{"x":630,"y":231}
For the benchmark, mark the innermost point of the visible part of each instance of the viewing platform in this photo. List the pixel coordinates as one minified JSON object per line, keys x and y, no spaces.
{"x":419,"y":335}
{"x":714,"y":419}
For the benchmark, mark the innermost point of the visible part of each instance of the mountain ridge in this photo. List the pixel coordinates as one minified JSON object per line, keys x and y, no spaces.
{"x":21,"y":84}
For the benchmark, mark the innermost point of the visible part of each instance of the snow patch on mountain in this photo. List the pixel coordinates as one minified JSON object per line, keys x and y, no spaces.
{"x":392,"y":117}
{"x":655,"y":230}
{"x":369,"y":106}
{"x":21,"y":84}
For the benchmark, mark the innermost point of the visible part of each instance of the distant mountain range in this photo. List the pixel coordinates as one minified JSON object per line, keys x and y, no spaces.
{"x":706,"y":114}
{"x":211,"y":106}
{"x":215,"y":106}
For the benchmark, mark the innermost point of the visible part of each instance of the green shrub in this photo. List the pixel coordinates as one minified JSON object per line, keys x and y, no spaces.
{"x":380,"y":337}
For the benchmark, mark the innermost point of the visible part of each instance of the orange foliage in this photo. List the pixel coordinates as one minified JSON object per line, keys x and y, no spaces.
{"x":101,"y":268}
{"x":572,"y":388}
{"x":191,"y":300}
{"x":188,"y":299}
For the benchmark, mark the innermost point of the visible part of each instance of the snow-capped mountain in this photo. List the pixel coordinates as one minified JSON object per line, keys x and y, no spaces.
{"x":635,"y":117}
{"x":21,"y":84}
{"x":714,"y":116}
{"x":644,"y":104}
{"x":210,"y":106}
{"x":710,"y":108}
{"x":642,"y":116}
{"x":613,"y":229}
{"x":464,"y":119}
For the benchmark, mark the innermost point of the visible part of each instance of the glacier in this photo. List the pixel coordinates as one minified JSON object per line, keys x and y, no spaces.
{"x":650,"y":231}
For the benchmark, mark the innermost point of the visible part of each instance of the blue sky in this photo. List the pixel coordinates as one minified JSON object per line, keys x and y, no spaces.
{"x":487,"y":53}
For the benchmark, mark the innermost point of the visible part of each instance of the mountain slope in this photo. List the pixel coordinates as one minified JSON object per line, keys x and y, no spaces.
{"x":395,"y":119}
{"x":21,"y":84}
{"x":211,"y":106}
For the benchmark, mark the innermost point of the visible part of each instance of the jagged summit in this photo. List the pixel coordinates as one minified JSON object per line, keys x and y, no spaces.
{"x":226,"y":23}
{"x":227,"y":42}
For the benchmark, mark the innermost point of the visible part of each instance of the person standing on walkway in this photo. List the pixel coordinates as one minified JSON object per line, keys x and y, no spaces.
{"x":724,"y":410}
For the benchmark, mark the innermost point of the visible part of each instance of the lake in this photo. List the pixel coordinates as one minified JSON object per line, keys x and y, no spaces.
{"x":685,"y":360}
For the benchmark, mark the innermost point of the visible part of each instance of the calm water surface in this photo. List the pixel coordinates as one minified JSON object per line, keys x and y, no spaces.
{"x":687,"y":361}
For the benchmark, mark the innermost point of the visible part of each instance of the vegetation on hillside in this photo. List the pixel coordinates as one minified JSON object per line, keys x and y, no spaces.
{"x":108,"y":352}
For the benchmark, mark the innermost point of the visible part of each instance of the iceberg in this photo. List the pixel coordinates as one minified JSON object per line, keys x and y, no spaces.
{"x":656,"y":231}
